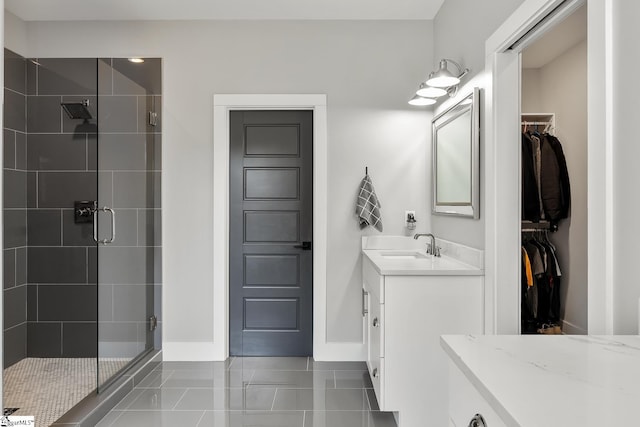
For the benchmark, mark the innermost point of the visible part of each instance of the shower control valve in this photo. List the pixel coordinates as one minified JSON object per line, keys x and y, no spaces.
{"x":83,"y":211}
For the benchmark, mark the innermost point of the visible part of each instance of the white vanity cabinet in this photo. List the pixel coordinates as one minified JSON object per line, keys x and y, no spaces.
{"x":465,"y":402}
{"x":407,"y":313}
{"x":541,"y":380}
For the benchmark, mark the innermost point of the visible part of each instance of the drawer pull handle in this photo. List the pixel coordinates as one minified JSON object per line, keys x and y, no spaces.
{"x":376,"y":323}
{"x":477,"y":421}
{"x":375,"y":373}
{"x":364,"y":303}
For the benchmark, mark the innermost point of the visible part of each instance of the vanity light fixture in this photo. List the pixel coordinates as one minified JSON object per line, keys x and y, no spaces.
{"x":439,"y":83}
{"x":430,"y":92}
{"x":421,"y":101}
{"x":445,"y":78}
{"x":136,"y":60}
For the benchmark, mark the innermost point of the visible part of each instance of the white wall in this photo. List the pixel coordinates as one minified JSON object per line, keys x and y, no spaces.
{"x":626,"y":170}
{"x":461,"y":28}
{"x":530,"y":91}
{"x":367,"y":69}
{"x":15,"y":33}
{"x":560,"y":87}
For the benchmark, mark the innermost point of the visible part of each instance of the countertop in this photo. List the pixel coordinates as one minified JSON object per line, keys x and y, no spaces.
{"x":426,"y":266}
{"x":553,"y":380}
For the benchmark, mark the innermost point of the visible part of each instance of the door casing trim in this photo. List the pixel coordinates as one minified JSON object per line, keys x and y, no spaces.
{"x":222,"y":105}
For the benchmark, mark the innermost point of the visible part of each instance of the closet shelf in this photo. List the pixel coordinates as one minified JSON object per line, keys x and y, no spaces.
{"x":536,"y":119}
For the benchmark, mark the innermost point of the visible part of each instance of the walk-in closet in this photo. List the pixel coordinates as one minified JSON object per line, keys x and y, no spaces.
{"x":553,"y":285}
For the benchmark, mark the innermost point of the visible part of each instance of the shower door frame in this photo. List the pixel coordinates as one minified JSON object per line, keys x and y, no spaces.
{"x":149,"y":172}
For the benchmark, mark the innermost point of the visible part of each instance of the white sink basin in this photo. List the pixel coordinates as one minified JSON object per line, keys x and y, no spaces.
{"x":403,"y":255}
{"x":417,"y":262}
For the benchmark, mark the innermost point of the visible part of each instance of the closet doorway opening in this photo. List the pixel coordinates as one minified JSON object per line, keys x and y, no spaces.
{"x":503,"y":169}
{"x":554,"y":194}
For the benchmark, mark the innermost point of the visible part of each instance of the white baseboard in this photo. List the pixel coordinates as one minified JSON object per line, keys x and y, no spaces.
{"x":207,"y":351}
{"x":188,"y":351}
{"x":340,"y":351}
{"x":571,"y":329}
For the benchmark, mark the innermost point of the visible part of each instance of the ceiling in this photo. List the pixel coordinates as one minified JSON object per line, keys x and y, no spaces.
{"x":557,"y":40}
{"x":104,"y":10}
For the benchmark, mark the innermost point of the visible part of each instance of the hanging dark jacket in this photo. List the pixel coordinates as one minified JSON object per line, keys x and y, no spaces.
{"x":565,"y":187}
{"x":554,"y":179}
{"x":530,"y":196}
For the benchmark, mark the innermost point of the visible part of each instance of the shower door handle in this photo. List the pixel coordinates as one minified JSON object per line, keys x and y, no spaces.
{"x":95,"y":225}
{"x":113,"y":224}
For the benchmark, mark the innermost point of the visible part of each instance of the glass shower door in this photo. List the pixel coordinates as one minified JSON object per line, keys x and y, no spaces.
{"x":127,"y":211}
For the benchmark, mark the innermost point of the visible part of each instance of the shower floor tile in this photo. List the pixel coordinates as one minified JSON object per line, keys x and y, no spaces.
{"x":48,"y":387}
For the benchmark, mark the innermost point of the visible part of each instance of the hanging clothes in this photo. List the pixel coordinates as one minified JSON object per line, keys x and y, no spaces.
{"x":540,"y":282}
{"x":564,"y":190}
{"x":546,"y":192}
{"x":530,"y":195}
{"x":528,"y":325}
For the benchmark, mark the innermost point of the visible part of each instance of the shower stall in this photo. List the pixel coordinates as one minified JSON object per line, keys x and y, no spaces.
{"x":82,"y":235}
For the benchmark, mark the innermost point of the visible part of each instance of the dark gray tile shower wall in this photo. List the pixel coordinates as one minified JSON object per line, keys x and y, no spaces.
{"x":50,"y":161}
{"x":15,"y":210}
{"x":62,"y":290}
{"x":15,"y":68}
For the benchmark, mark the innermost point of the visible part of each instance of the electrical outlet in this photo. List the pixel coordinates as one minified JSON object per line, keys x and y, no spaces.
{"x":410,"y":220}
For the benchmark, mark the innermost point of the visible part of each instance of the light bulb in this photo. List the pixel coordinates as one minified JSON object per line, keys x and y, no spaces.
{"x":421,"y":101}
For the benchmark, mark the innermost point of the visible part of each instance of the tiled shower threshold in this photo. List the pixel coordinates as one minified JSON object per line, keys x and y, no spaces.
{"x":90,"y":410}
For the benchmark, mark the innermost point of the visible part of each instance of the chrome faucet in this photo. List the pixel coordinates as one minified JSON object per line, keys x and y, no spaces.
{"x":432,"y":249}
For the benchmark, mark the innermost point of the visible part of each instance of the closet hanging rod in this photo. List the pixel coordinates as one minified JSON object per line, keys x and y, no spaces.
{"x":528,"y":227}
{"x":535,"y":225}
{"x":549,"y":126}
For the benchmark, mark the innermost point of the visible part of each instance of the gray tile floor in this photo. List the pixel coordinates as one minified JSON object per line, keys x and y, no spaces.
{"x":252,"y":391}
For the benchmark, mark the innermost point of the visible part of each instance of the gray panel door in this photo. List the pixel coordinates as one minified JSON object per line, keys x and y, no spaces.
{"x":270,"y":219}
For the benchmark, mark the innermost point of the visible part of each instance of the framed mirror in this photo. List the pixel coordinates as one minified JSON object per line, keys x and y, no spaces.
{"x":456,"y":159}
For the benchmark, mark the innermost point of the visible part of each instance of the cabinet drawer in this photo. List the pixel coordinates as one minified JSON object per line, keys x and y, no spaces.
{"x":373,"y":281}
{"x":376,"y":371}
{"x":376,"y":328}
{"x":465,"y":401}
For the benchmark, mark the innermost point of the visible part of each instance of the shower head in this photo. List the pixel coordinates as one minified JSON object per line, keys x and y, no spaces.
{"x":77,"y":110}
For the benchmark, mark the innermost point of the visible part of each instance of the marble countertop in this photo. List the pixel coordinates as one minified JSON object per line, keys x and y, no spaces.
{"x":553,"y":380}
{"x":425,"y":265}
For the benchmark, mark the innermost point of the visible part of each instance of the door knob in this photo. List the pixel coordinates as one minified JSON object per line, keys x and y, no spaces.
{"x":477,"y":421}
{"x":305,"y":246}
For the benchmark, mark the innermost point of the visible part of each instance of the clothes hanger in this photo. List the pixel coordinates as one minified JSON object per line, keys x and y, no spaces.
{"x":536,"y":132}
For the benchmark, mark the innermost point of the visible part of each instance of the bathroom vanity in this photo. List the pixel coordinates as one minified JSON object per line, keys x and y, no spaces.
{"x":541,"y":380}
{"x":410,"y":298}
